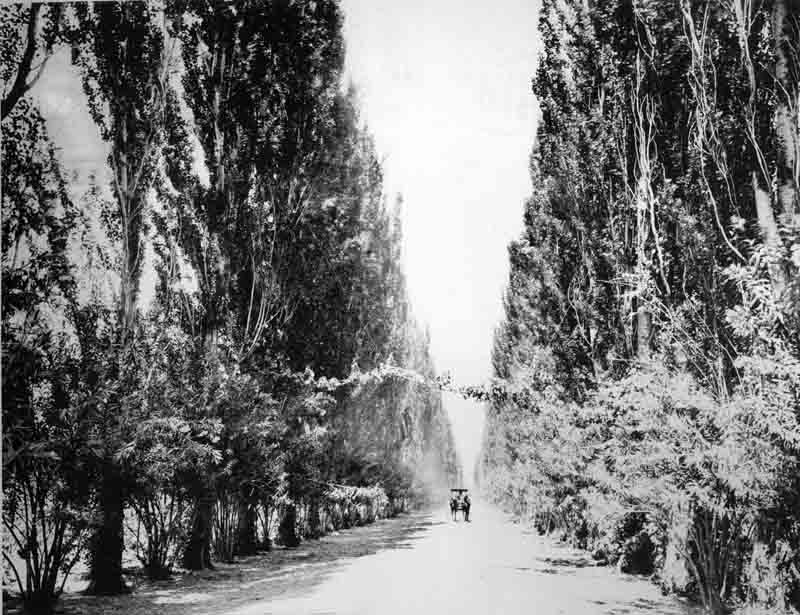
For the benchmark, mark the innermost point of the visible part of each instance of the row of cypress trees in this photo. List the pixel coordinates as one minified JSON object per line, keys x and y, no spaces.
{"x":181,"y":329}
{"x":651,"y":340}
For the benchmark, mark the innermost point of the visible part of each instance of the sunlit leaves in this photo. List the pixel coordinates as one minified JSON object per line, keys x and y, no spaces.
{"x":669,"y":404}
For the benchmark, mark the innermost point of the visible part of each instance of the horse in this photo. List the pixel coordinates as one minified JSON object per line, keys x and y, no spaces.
{"x":454,"y":508}
{"x":456,"y":504}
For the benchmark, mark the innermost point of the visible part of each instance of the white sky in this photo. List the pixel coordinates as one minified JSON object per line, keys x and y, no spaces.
{"x":445,"y":89}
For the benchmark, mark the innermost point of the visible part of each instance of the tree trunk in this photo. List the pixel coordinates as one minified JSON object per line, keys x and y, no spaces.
{"x":287,"y":531}
{"x":786,"y":117}
{"x":313,"y":519}
{"x":246,"y":535}
{"x":641,"y":329}
{"x":268,"y":511}
{"x":644,"y":325}
{"x":197,"y":555}
{"x":769,"y":229}
{"x":108,"y":542}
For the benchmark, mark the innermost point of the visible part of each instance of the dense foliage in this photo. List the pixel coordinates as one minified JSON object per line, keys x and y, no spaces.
{"x":208,"y":349}
{"x":648,"y":367}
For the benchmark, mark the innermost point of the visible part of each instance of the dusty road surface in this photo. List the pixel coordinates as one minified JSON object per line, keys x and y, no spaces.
{"x":484,"y":567}
{"x":418,"y":564}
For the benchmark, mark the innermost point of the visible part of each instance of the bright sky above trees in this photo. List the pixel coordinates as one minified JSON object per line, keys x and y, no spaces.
{"x":445,"y":89}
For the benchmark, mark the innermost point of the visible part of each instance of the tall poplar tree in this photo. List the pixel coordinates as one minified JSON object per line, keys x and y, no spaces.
{"x":124,"y":59}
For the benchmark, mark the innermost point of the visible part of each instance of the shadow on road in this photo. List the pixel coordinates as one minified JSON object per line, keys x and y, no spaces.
{"x":585,"y":570}
{"x":640,"y":605}
{"x":282,"y":573}
{"x":563,"y":562}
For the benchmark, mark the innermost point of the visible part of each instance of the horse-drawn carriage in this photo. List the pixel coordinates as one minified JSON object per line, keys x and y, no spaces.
{"x":459,"y":501}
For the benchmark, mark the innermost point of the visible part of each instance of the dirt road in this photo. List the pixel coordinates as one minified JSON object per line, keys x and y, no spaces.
{"x":418,"y":564}
{"x":487,"y":566}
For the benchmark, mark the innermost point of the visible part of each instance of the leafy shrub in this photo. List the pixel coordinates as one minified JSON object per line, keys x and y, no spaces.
{"x":164,"y":458}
